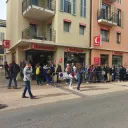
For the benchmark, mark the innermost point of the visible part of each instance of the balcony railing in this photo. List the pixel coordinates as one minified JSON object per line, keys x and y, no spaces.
{"x":107,"y":16}
{"x":45,"y":35}
{"x":46,"y":5}
{"x":111,"y":1}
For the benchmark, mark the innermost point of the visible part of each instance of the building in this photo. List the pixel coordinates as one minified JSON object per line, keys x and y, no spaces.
{"x":2,"y":37}
{"x":49,"y":30}
{"x":109,"y":21}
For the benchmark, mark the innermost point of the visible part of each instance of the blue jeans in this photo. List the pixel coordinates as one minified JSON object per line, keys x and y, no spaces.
{"x":71,"y":81}
{"x":10,"y":81}
{"x":27,"y":87}
{"x":47,"y":79}
{"x":79,"y":81}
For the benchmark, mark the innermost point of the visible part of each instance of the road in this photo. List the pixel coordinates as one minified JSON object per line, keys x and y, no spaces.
{"x":102,"y":111}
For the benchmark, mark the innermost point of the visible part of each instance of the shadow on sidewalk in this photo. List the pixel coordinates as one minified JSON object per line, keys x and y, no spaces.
{"x":51,"y":95}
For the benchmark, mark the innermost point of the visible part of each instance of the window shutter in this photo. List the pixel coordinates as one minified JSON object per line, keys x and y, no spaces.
{"x":74,"y":7}
{"x":1,"y":36}
{"x":62,"y":5}
{"x":100,"y":4}
{"x":83,"y":8}
{"x":122,"y":19}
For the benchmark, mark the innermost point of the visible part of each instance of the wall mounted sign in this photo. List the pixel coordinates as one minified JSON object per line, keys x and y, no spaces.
{"x":75,"y":50}
{"x":97,"y":40}
{"x":117,"y":53}
{"x":6,"y":43}
{"x":96,"y":61}
{"x":40,"y":47}
{"x":60,"y":60}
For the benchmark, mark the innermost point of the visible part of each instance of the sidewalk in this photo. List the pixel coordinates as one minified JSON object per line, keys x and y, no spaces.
{"x":49,"y":94}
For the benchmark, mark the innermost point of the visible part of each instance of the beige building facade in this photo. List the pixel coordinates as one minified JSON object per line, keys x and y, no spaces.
{"x":48,"y":30}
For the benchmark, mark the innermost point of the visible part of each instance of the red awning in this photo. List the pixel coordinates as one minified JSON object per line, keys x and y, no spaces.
{"x":82,"y":24}
{"x":66,"y":20}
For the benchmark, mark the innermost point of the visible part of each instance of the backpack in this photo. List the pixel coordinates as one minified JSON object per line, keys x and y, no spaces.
{"x":48,"y":71}
{"x":37,"y":70}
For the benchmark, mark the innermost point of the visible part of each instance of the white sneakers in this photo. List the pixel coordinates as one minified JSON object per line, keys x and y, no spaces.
{"x":70,"y":87}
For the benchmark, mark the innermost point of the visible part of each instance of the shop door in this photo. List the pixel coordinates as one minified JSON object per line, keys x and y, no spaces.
{"x":117,"y":61}
{"x":104,"y":59}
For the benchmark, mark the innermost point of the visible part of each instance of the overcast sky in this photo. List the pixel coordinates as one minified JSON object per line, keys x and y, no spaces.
{"x":2,"y":9}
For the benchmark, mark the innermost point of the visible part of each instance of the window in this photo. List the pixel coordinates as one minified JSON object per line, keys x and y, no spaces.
{"x":118,"y":38}
{"x":104,"y":35}
{"x":105,"y":11}
{"x":119,"y":1}
{"x":67,"y":6}
{"x":83,"y":8}
{"x":67,"y":26}
{"x":1,"y":36}
{"x":82,"y":30}
{"x":119,"y":17}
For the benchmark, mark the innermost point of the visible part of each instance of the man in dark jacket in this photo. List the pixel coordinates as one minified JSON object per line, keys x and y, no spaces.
{"x":122,"y":73}
{"x":14,"y":69}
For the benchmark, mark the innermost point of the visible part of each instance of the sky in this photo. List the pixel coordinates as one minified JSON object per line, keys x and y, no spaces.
{"x":3,"y":9}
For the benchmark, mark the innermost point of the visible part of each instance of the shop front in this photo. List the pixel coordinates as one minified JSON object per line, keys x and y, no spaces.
{"x":40,"y":54}
{"x":117,"y":59}
{"x":74,"y":55}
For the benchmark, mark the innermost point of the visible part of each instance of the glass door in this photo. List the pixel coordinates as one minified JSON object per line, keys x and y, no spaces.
{"x":35,"y":2}
{"x":33,"y":30}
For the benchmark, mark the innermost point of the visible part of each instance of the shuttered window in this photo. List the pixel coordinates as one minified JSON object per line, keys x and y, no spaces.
{"x":83,"y":8}
{"x":67,"y":26}
{"x":1,"y":36}
{"x":74,"y":7}
{"x":82,"y":29}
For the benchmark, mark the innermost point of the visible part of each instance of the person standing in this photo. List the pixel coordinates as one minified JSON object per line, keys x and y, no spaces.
{"x":27,"y":79}
{"x":58,"y":70}
{"x":38,"y":74}
{"x":122,"y":73}
{"x":14,"y":69}
{"x":113,"y":73}
{"x":6,"y":67}
{"x":22,"y":65}
{"x":79,"y":75}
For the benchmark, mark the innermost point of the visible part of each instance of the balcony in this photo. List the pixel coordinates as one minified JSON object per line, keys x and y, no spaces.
{"x":44,"y":36}
{"x":107,"y":18}
{"x":38,"y":9}
{"x":110,"y":1}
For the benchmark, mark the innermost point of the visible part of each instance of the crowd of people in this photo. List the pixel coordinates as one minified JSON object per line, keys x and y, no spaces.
{"x":75,"y":72}
{"x":95,"y":74}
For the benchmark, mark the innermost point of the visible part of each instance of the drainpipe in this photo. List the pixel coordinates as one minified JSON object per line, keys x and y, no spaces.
{"x":90,"y":30}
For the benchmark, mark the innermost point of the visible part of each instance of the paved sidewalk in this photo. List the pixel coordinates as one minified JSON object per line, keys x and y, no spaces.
{"x":48,"y":94}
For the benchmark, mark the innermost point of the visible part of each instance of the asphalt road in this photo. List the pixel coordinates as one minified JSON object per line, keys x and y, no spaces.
{"x":103,"y":111}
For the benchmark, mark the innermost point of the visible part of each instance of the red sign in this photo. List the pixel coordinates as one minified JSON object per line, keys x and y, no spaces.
{"x":96,"y":60}
{"x":55,"y":62}
{"x":117,"y":53}
{"x":97,"y":40}
{"x":60,"y":60}
{"x":75,"y":50}
{"x":39,"y":47}
{"x":6,"y":43}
